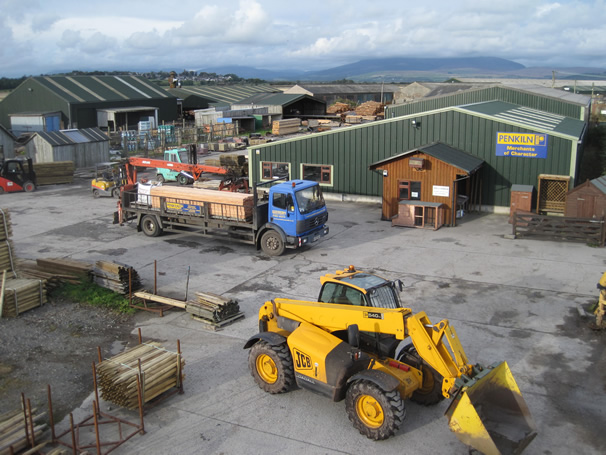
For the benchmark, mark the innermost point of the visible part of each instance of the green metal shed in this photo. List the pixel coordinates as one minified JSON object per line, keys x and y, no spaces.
{"x":340,"y":159}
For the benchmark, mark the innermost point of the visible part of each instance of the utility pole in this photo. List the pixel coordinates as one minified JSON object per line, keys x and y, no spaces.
{"x":553,"y":79}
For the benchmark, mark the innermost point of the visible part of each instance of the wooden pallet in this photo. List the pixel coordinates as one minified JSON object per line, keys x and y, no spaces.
{"x":216,"y":326}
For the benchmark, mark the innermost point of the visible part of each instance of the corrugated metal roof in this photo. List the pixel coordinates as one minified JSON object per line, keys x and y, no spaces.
{"x":86,"y":89}
{"x":600,"y":183}
{"x":67,"y":137}
{"x":527,"y":117}
{"x":450,"y":155}
{"x":549,"y":92}
{"x":274,"y":99}
{"x":228,"y":94}
{"x":337,"y":89}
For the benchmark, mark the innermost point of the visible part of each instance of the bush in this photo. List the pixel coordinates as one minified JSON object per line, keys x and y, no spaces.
{"x":92,"y":294}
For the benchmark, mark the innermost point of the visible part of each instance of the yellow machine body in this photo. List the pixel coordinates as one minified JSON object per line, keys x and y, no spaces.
{"x":487,"y":413}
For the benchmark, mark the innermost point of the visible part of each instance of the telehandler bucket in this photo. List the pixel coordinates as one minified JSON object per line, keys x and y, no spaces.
{"x":490,"y":414}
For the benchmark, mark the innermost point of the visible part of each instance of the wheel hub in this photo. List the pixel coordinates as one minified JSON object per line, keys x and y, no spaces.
{"x":267,"y":369}
{"x":370,"y":411}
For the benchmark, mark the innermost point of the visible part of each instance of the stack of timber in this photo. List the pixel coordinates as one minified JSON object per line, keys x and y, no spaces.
{"x":338,"y":108}
{"x":370,"y":108}
{"x":214,"y":308}
{"x":353,"y":119}
{"x":160,"y":371}
{"x":14,"y":436}
{"x":19,"y":295}
{"x":27,"y":268}
{"x":53,"y":173}
{"x":223,"y":205}
{"x":287,"y":126}
{"x":209,"y":184}
{"x":7,"y":261}
{"x":116,"y":277}
{"x":79,"y":270}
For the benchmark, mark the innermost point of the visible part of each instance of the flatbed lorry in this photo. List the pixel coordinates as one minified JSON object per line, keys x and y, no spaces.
{"x":277,"y":215}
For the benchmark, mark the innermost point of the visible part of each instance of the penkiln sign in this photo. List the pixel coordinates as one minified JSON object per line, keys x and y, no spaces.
{"x":522,"y":145}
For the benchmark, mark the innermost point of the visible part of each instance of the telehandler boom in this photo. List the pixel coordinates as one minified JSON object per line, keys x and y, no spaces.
{"x":352,"y":351}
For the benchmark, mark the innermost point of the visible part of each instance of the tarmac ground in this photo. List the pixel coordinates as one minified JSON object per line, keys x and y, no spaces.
{"x":517,"y":300}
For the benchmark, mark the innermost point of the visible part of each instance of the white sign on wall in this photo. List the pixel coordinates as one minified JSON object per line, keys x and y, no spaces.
{"x":441,"y":191}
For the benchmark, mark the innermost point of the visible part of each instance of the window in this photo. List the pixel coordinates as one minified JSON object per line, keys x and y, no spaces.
{"x":317,"y":173}
{"x":272,"y":170}
{"x":409,"y":191}
{"x":283,"y":201}
{"x":338,"y":293}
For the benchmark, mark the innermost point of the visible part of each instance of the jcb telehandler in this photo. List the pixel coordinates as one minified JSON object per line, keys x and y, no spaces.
{"x":348,"y":346}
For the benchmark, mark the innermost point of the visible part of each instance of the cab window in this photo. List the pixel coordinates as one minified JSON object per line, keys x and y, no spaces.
{"x":338,"y":293}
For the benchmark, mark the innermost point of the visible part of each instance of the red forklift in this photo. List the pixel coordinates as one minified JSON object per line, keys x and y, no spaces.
{"x":17,"y":174}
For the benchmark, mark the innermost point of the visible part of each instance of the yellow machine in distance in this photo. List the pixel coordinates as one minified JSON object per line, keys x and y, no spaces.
{"x":109,"y":178}
{"x":350,"y":349}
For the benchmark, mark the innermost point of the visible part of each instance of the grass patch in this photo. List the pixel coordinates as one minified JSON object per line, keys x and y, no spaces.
{"x":92,"y":294}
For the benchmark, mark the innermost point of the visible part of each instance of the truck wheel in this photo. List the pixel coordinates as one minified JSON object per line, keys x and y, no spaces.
{"x":430,"y":392}
{"x":29,"y":186}
{"x":116,"y":192}
{"x":96,"y":194}
{"x":182,"y":179}
{"x":150,"y":226}
{"x":376,"y":414}
{"x":160,"y":178}
{"x":271,"y":367}
{"x":272,"y":244}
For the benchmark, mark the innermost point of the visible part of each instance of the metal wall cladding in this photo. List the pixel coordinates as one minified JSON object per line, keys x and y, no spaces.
{"x":352,"y":150}
{"x":534,"y":101}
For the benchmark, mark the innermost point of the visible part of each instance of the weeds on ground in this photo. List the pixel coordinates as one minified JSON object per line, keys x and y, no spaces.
{"x":92,"y":294}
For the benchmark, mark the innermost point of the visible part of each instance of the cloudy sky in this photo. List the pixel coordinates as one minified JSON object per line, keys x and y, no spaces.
{"x":45,"y":37}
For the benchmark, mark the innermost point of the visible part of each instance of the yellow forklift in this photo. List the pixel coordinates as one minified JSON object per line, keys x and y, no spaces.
{"x":109,"y":178}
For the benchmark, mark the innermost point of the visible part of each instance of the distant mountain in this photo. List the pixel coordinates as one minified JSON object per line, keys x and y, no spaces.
{"x":248,"y":72}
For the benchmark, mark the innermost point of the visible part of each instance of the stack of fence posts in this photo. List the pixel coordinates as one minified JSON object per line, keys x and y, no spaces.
{"x":15,"y":430}
{"x":117,"y":277}
{"x":7,"y":261}
{"x":158,"y":370}
{"x":213,"y":307}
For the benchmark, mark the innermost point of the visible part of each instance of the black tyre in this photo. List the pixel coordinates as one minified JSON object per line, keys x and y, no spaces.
{"x":430,"y":392}
{"x":96,"y":194}
{"x":271,"y":367}
{"x":150,"y":226}
{"x":375,"y":413}
{"x":116,"y":192}
{"x":29,"y":186}
{"x":272,"y":244}
{"x":182,"y":179}
{"x":160,"y":178}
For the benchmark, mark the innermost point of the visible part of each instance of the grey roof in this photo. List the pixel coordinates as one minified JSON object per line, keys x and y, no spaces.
{"x":450,"y":155}
{"x":226,"y":94}
{"x":276,"y":99}
{"x":67,"y":137}
{"x":94,"y":89}
{"x":600,"y":183}
{"x":527,"y":118}
{"x":549,"y":92}
{"x":332,"y":89}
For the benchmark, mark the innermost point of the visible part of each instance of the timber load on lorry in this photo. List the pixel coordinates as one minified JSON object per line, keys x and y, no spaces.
{"x":348,"y":346}
{"x":291,"y":214}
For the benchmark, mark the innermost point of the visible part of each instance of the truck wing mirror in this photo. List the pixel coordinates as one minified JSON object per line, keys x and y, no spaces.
{"x":353,"y":335}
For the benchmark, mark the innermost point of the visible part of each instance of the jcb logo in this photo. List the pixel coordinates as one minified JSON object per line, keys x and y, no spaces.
{"x":302,"y":361}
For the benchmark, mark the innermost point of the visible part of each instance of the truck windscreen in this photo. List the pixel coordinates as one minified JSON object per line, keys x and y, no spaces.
{"x":310,"y":199}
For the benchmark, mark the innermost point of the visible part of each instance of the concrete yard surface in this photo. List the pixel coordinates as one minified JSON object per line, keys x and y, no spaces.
{"x":516,"y":300}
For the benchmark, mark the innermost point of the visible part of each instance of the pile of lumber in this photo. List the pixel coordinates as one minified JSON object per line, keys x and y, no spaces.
{"x":116,"y":277}
{"x":67,"y":267}
{"x":53,"y":173}
{"x":223,"y":205}
{"x":27,"y":268}
{"x":213,"y":307}
{"x":15,"y":433}
{"x":210,"y":184}
{"x":7,"y":261}
{"x":370,"y":108}
{"x":160,"y":371}
{"x":353,"y":119}
{"x":287,"y":126}
{"x":19,"y":295}
{"x":338,"y":108}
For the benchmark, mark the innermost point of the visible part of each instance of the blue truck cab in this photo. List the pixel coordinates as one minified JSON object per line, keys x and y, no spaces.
{"x":296,"y":216}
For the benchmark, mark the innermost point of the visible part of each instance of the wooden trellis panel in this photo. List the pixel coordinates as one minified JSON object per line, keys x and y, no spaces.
{"x":551,"y":195}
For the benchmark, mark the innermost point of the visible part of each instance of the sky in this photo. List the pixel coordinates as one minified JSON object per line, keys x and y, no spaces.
{"x":43,"y":37}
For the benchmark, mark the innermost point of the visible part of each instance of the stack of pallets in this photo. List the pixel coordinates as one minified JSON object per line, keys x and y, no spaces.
{"x":287,"y":126}
{"x":160,"y":370}
{"x":117,"y":277}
